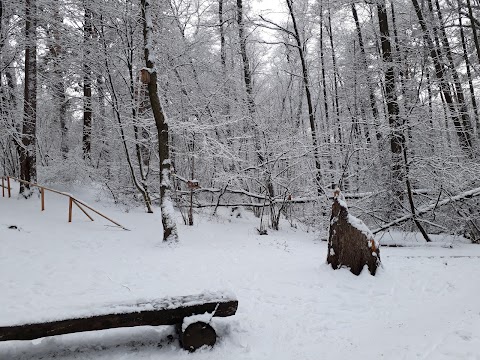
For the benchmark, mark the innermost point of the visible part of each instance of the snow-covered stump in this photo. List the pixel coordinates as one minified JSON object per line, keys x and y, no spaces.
{"x":350,"y":242}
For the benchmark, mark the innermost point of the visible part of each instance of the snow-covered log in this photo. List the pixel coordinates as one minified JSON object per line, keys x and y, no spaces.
{"x":166,"y":311}
{"x":350,"y":243}
{"x":424,"y":209}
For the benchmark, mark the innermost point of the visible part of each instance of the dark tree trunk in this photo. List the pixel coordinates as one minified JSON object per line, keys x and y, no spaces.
{"x":474,"y":29}
{"x":28,"y":163}
{"x":397,"y":138}
{"x":87,"y":81}
{"x":168,"y":221}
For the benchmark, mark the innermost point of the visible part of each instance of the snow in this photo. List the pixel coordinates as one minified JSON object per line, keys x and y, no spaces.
{"x":422,"y":305}
{"x":206,"y":318}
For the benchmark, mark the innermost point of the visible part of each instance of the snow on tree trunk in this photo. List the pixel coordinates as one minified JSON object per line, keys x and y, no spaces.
{"x":350,"y":242}
{"x":28,"y":156}
{"x":170,"y":233}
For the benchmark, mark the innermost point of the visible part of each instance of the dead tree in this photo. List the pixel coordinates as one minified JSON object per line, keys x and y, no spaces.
{"x":350,"y":242}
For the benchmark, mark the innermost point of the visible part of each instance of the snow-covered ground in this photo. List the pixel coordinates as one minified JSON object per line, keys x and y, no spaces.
{"x":423,"y":304}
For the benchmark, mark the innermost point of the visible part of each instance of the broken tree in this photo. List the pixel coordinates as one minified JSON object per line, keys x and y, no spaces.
{"x":350,"y":242}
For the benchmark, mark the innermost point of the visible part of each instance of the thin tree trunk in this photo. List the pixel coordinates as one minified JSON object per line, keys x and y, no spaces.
{"x":462,"y":106}
{"x":469,"y":74}
{"x":168,"y":216}
{"x":371,"y":94}
{"x":247,"y":77}
{"x":474,"y":29}
{"x":435,"y":53}
{"x":324,"y":92}
{"x":311,"y":113}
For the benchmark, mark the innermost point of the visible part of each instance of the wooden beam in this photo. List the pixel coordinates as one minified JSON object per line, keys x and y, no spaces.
{"x":70,"y":206}
{"x":42,"y":193}
{"x":167,"y":311}
{"x":72,"y":199}
{"x":83,"y":210}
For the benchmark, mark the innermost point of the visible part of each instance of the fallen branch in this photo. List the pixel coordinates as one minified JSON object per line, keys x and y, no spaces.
{"x":424,"y":209}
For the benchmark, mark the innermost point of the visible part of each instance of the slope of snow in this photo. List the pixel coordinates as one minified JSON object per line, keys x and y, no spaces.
{"x":423,"y":304}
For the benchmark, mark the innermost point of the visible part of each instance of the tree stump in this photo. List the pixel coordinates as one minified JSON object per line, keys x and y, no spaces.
{"x":196,"y":335}
{"x":350,"y":242}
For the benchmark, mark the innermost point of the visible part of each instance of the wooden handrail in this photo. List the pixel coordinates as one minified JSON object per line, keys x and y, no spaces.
{"x":71,"y":199}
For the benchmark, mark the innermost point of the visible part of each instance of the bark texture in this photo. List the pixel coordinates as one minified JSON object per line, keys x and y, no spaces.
{"x":28,"y":149}
{"x":350,"y":243}
{"x":168,"y":221}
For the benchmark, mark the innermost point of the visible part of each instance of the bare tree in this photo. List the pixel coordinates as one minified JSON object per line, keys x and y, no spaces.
{"x":168,"y":217}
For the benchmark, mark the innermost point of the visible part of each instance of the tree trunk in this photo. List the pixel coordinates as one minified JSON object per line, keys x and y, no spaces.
{"x":474,"y":29}
{"x":168,"y":216}
{"x":469,"y":73}
{"x":311,"y":113}
{"x":397,"y":138}
{"x":464,"y":137}
{"x":28,"y":162}
{"x":60,"y":97}
{"x":325,"y":97}
{"x":371,"y":93}
{"x":462,"y":106}
{"x":87,"y":81}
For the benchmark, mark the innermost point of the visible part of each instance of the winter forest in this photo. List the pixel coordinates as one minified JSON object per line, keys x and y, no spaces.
{"x":269,"y":109}
{"x":255,"y":111}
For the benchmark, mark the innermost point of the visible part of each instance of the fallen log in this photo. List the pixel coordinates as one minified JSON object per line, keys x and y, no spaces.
{"x":166,"y":311}
{"x":424,"y":209}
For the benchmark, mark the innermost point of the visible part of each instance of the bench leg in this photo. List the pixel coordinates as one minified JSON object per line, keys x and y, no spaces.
{"x":196,"y":335}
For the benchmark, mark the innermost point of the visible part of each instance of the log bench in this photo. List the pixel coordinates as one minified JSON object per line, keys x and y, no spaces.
{"x":167,"y":311}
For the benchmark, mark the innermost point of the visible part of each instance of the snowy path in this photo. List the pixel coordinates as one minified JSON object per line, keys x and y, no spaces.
{"x":422,"y":305}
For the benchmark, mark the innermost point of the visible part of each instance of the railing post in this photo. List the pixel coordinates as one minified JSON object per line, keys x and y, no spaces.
{"x":42,"y":194}
{"x":8,"y":184}
{"x":70,"y":206}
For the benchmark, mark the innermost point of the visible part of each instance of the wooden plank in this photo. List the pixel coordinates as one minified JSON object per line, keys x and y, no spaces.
{"x":168,"y":311}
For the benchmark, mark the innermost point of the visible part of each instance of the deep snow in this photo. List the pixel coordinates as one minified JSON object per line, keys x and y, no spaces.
{"x":422,"y":305}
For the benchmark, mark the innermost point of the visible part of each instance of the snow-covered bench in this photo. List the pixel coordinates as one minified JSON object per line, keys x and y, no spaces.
{"x":191,"y":315}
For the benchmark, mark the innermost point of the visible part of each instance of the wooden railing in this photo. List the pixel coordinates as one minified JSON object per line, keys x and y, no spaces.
{"x":71,"y":199}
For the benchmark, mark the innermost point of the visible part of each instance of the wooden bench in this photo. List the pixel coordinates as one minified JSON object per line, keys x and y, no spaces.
{"x":166,"y":311}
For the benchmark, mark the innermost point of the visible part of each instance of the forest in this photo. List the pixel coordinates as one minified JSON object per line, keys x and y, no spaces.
{"x":193,"y":104}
